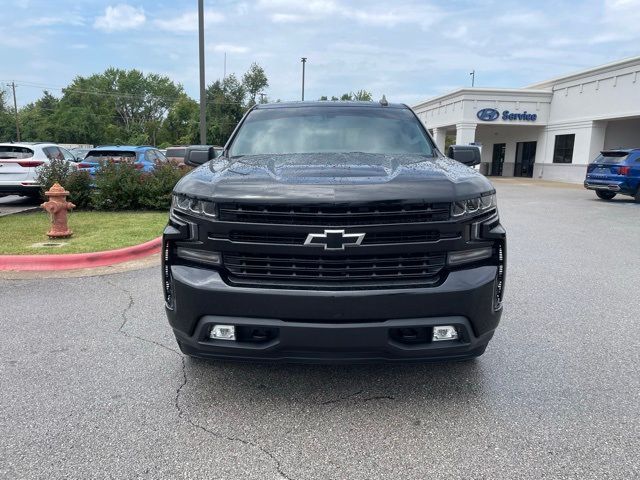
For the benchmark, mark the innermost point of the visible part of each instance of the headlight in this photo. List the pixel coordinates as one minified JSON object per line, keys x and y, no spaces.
{"x":473,"y":206}
{"x":194,"y":206}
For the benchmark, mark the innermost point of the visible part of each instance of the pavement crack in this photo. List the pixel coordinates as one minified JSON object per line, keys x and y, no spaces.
{"x":183,"y":415}
{"x":378,"y":397}
{"x":340,"y":399}
{"x":125,"y":319}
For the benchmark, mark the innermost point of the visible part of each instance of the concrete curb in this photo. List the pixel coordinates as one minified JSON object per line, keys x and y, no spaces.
{"x":74,"y":261}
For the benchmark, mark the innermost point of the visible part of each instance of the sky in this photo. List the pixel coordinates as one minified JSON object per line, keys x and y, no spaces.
{"x":408,"y":50}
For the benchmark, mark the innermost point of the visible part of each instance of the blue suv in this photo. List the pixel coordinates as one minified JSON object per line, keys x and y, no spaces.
{"x":144,"y":158}
{"x":615,"y":172}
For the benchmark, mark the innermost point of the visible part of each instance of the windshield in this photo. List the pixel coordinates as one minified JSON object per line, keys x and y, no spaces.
{"x":176,"y":152}
{"x":611,"y":157}
{"x":331,"y":129}
{"x":111,"y":156}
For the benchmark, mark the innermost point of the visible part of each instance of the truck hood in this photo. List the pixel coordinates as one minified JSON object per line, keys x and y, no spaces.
{"x":333,"y":177}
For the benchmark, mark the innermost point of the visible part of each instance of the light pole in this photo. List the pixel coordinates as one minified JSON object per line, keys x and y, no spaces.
{"x":304,"y":61}
{"x":473,"y":77}
{"x":203,"y":98}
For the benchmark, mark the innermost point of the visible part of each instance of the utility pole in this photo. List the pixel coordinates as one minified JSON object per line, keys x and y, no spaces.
{"x":203,"y":98}
{"x":473,"y":78}
{"x":224,"y":71}
{"x":304,"y":61}
{"x":15,"y":109}
{"x":261,"y":97}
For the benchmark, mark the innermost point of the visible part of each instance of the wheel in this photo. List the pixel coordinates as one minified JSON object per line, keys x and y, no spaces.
{"x":605,"y":194}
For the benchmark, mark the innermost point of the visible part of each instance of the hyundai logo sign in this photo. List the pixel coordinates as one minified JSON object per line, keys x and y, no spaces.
{"x":488,"y":114}
{"x":491,"y":114}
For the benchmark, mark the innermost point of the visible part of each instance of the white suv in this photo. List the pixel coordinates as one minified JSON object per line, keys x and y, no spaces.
{"x":19,"y":163}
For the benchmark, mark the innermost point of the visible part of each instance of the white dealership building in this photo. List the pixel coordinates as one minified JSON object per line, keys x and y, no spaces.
{"x":550,"y":129}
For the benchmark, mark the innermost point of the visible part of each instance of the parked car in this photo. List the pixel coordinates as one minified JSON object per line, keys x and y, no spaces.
{"x":144,"y":158}
{"x":334,"y":232}
{"x":79,"y":153}
{"x":19,"y":163}
{"x":177,"y":153}
{"x":615,"y":172}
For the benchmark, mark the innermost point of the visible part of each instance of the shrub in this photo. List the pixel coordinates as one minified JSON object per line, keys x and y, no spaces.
{"x":55,"y":171}
{"x":119,"y":186}
{"x":157,"y":186}
{"x":80,"y":187}
{"x":78,"y":183}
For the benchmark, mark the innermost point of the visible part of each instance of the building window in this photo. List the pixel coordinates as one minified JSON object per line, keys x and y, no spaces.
{"x":563,"y":150}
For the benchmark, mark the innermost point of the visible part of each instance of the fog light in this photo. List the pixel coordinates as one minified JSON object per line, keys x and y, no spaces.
{"x":200,"y":256}
{"x":444,"y":332}
{"x":223,"y":332}
{"x":467,"y":256}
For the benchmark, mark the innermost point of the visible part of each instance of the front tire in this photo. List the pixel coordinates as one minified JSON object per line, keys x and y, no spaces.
{"x":605,"y":194}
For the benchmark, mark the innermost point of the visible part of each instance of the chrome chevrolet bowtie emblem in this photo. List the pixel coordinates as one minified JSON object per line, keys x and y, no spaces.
{"x":334,"y":239}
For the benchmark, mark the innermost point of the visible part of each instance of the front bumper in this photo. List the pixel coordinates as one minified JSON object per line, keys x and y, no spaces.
{"x":334,"y":326}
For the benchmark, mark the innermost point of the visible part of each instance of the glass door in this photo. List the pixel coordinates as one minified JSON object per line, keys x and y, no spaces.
{"x":525,"y":158}
{"x":497,"y":160}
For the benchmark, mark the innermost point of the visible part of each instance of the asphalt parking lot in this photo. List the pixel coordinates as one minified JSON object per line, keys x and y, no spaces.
{"x":92,"y":384}
{"x":14,"y":204}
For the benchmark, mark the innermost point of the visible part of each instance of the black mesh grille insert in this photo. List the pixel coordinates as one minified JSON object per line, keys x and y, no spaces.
{"x":328,"y":269}
{"x":369,"y":214}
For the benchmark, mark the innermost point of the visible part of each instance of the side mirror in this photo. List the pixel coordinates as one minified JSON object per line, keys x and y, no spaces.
{"x":198,"y":155}
{"x":467,"y":154}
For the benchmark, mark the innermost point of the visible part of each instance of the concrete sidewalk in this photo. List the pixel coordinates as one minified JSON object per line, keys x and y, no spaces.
{"x":530,"y":182}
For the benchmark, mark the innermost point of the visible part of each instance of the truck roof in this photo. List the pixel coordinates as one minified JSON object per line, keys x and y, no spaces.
{"x":329,"y":104}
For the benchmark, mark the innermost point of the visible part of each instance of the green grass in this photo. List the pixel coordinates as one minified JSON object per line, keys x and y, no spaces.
{"x":92,"y":231}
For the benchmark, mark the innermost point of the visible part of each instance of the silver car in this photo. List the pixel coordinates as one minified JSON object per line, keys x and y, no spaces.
{"x":19,"y":163}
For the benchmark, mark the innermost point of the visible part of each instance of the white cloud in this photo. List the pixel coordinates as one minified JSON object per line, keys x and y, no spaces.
{"x":385,"y":14}
{"x":523,"y":19}
{"x":615,"y":30}
{"x":188,"y":21}
{"x":120,"y":17}
{"x":287,"y":18}
{"x":75,"y":20}
{"x":242,"y":8}
{"x":225,"y":47}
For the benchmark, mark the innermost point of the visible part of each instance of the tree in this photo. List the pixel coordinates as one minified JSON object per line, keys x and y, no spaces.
{"x":116,"y":106}
{"x":37,"y":120}
{"x":360,"y":96}
{"x":181,"y":125}
{"x":225,"y":108}
{"x":7,"y":119}
{"x":254,"y":80}
{"x":129,"y":107}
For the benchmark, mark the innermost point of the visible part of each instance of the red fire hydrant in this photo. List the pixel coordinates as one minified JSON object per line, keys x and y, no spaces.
{"x":57,"y":206}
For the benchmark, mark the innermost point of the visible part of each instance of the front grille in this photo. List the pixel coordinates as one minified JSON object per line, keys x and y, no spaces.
{"x":381,"y":238}
{"x":332,"y":215}
{"x":334,"y":270}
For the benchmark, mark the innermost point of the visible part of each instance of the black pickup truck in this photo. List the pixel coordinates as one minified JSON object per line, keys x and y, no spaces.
{"x":333,"y":232}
